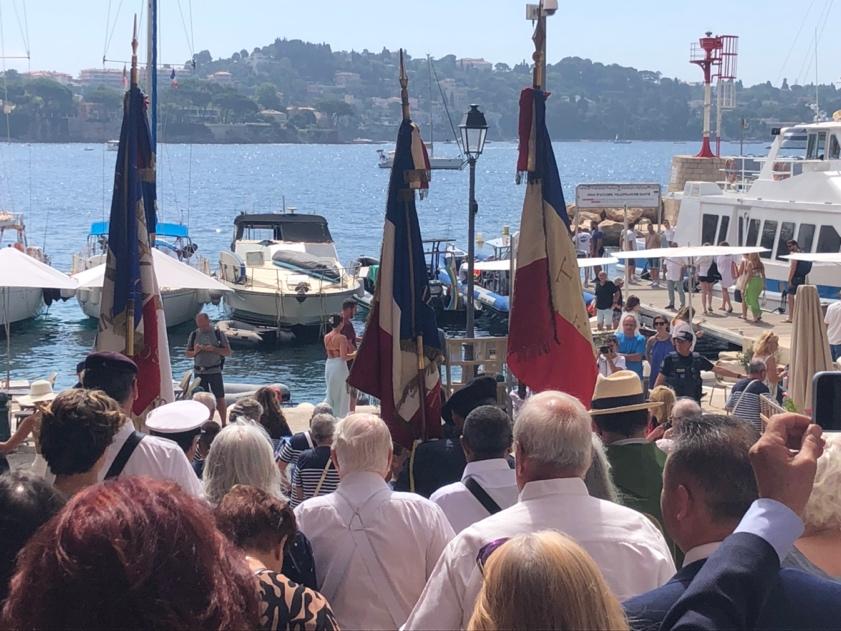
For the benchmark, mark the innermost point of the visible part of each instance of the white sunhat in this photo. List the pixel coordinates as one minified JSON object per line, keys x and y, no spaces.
{"x":39,"y":392}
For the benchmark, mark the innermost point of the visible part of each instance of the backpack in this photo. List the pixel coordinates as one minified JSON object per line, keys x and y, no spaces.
{"x":218,"y":335}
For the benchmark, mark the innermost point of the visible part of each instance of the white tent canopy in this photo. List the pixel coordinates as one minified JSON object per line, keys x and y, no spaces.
{"x":692,"y":251}
{"x":171,"y":274}
{"x":21,"y":270}
{"x":815,"y":257}
{"x":505,"y":265}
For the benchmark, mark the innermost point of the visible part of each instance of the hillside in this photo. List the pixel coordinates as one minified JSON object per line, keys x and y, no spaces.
{"x":293,"y":91}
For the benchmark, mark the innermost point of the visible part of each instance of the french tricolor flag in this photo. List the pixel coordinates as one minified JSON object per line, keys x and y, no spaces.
{"x":550,"y":346}
{"x":390,"y":364}
{"x":131,"y":301}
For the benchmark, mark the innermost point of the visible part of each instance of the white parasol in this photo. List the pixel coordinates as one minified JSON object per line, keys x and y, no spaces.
{"x":171,"y":274}
{"x":504,"y":265}
{"x":21,"y":270}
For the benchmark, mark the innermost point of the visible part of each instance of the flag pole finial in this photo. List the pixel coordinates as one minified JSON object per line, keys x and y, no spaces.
{"x":134,"y":52}
{"x":539,"y":55}
{"x":404,"y":88}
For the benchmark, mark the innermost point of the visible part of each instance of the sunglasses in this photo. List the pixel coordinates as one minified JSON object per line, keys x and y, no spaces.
{"x":659,"y":323}
{"x":487,"y":550}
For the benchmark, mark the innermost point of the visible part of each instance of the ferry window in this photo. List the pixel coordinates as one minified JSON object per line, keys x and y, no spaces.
{"x":806,"y":236}
{"x":708,"y":225}
{"x":722,"y":231}
{"x":769,"y":232}
{"x":815,"y":146}
{"x":753,"y":232}
{"x":834,"y":148}
{"x":786,"y":234}
{"x":828,"y":240}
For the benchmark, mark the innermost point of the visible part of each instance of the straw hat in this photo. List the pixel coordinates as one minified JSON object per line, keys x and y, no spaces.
{"x":620,"y":392}
{"x":39,"y":391}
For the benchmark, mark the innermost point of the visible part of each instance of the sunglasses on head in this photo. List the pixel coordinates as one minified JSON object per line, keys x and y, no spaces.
{"x":487,"y":550}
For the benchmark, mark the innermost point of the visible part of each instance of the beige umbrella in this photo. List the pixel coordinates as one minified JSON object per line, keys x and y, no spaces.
{"x":809,"y":346}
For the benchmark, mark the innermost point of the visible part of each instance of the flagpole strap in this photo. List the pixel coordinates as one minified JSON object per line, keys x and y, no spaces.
{"x":412,"y":466}
{"x":130,"y":327}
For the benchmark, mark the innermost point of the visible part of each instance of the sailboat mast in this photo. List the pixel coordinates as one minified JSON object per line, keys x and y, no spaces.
{"x":431,"y":127}
{"x":152,"y":71}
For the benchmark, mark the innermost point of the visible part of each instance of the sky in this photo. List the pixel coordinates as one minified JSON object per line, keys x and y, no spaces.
{"x":777,"y":37}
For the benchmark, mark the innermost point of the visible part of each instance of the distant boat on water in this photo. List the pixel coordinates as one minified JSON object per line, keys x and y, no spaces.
{"x":621,"y":141}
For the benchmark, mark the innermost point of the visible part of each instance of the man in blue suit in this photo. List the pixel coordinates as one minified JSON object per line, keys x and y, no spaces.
{"x":708,"y":486}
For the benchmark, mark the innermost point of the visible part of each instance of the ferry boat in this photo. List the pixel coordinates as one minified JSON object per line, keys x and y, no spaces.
{"x":796,"y":194}
{"x":22,"y":302}
{"x":284,"y":272}
{"x":180,"y":305}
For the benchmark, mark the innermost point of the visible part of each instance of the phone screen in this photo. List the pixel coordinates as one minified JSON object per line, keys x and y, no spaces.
{"x":826,"y":405}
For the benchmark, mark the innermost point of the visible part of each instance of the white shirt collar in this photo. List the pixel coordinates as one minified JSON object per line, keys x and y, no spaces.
{"x":556,"y":486}
{"x":361,"y":483}
{"x":483,"y":466}
{"x":700,"y":552}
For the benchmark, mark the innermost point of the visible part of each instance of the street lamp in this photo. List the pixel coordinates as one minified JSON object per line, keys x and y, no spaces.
{"x":474,"y":128}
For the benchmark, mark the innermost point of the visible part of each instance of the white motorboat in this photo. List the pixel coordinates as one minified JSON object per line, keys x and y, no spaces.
{"x":284,"y":271}
{"x":385,"y":160}
{"x":180,"y":305}
{"x":791,"y":197}
{"x":22,"y":302}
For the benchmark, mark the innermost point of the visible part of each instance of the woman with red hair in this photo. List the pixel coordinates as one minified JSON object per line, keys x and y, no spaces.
{"x":131,"y":554}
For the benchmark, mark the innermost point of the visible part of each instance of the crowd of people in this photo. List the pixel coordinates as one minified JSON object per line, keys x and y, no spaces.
{"x":639,"y":513}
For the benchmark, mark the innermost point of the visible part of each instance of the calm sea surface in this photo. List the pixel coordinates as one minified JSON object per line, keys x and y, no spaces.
{"x":62,"y":188}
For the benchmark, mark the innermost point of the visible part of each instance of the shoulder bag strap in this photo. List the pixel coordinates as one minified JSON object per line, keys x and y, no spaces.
{"x":355,"y":521}
{"x":481,"y":495}
{"x":308,"y":436}
{"x":323,"y":476}
{"x":742,"y":396}
{"x":124,"y":454}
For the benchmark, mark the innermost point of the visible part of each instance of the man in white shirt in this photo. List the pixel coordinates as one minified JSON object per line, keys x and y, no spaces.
{"x":630,"y":244}
{"x":553,"y":448}
{"x":673,"y":268}
{"x":489,"y":483}
{"x":833,"y":328}
{"x":130,"y":452}
{"x":582,"y":240}
{"x":374,"y":548}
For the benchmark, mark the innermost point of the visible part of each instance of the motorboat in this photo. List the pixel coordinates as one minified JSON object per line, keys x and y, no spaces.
{"x":173,"y":239}
{"x":112,"y":145}
{"x":385,"y":160}
{"x":796,"y":194}
{"x":284,"y":271}
{"x":22,"y":303}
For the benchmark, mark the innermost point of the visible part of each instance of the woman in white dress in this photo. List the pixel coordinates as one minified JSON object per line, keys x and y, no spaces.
{"x":336,"y":372}
{"x":728,"y":270}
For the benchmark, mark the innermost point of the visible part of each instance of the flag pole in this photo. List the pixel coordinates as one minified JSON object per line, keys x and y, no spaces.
{"x":406,"y":192}
{"x":130,"y":302}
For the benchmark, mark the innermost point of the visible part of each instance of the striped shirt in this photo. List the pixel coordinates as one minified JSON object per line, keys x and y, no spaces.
{"x":744,"y":400}
{"x":292,"y":448}
{"x":308,"y":472}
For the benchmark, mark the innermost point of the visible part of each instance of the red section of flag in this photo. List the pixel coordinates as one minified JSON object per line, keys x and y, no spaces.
{"x":148,"y":363}
{"x":548,"y":352}
{"x":524,"y":129}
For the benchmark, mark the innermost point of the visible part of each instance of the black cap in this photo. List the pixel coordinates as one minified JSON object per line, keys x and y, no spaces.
{"x":80,"y":366}
{"x":102,"y":361}
{"x":478,"y":391}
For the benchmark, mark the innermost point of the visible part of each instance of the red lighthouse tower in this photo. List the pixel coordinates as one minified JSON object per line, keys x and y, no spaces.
{"x":716,"y":56}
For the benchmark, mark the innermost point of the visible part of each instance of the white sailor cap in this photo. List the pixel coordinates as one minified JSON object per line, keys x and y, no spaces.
{"x":177,"y":417}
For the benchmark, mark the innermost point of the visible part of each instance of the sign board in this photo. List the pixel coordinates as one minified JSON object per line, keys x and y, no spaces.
{"x":635,"y":195}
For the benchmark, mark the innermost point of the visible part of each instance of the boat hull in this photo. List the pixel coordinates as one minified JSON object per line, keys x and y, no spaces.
{"x":180,"y":305}
{"x":283,"y":309}
{"x":23,"y":303}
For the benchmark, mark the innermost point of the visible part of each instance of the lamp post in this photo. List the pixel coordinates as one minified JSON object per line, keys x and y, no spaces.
{"x":474,"y":128}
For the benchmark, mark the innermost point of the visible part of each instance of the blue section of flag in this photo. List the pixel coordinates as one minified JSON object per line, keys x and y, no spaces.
{"x":547,"y":167}
{"x":411,"y":284}
{"x":134,"y":183}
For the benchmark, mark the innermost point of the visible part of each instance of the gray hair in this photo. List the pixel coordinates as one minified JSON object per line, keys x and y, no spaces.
{"x":712,"y":452}
{"x":321,"y":408}
{"x":598,"y":479}
{"x":241,"y":454}
{"x":207,"y":400}
{"x":362,"y":443}
{"x":322,"y":427}
{"x":554,"y":429}
{"x":246,"y":408}
{"x":685,"y":409}
{"x":756,"y":366}
{"x":823,"y":510}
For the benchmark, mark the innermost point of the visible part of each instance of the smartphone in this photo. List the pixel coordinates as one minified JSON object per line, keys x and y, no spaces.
{"x":826,"y":400}
{"x":604,"y":350}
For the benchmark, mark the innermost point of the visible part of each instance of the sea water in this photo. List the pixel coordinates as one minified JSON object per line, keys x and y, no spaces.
{"x":62,"y":188}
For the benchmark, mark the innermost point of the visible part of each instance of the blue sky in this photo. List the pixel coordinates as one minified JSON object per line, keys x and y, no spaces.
{"x":647,"y":34}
